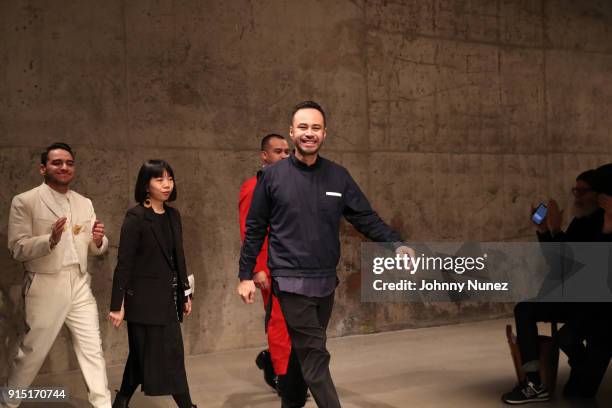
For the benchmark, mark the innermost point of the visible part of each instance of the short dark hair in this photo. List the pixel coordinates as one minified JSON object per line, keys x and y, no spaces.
{"x":44,"y":156}
{"x":308,"y":105}
{"x":152,"y":169}
{"x":589,"y":177}
{"x":265,"y":142}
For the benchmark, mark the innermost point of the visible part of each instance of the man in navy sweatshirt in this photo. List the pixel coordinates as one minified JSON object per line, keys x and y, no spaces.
{"x":301,"y":201}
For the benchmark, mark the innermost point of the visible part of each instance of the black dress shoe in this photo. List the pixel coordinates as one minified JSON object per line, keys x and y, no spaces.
{"x":121,"y":401}
{"x":264,"y":363}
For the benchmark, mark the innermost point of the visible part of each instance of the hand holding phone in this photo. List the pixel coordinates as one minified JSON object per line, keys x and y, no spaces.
{"x":538,"y":217}
{"x":539,"y":214}
{"x":554,"y":216}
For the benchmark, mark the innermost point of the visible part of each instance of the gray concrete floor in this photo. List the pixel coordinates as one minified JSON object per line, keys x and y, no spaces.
{"x":466,"y":365}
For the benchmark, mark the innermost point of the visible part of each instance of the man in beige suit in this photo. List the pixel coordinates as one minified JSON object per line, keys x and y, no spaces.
{"x":51,"y":230}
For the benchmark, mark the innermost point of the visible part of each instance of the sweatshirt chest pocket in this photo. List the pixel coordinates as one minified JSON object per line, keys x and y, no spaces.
{"x":331,"y":203}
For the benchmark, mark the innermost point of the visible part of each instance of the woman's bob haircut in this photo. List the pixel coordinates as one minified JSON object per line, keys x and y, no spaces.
{"x":151,"y":169}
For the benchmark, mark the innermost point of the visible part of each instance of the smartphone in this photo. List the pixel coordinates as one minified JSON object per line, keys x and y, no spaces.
{"x":539,"y":214}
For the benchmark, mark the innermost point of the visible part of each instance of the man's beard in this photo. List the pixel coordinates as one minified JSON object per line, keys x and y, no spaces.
{"x":584,"y":211}
{"x":54,"y":180}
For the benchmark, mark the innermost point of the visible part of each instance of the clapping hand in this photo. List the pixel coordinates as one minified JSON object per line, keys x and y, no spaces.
{"x":98,"y":233}
{"x":56,"y":231}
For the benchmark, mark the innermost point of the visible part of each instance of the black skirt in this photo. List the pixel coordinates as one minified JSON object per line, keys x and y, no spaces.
{"x":156,"y":359}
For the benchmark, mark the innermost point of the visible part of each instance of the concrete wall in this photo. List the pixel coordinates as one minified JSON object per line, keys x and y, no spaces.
{"x":454,"y":116}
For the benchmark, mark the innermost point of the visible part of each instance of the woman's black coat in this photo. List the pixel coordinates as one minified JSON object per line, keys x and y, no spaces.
{"x":143,"y":275}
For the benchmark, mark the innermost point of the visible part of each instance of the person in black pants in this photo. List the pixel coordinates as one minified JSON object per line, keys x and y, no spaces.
{"x":301,"y":201}
{"x":151,"y":290}
{"x":587,"y":226}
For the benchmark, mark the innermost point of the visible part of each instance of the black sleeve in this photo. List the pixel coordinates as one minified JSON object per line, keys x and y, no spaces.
{"x":357,"y":211}
{"x":257,"y":222}
{"x":182,"y":267}
{"x":126,"y":257}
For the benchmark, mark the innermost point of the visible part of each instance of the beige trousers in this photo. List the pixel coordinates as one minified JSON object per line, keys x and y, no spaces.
{"x":50,"y":301}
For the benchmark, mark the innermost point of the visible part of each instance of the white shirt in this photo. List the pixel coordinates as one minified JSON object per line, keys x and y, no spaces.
{"x":70,"y":254}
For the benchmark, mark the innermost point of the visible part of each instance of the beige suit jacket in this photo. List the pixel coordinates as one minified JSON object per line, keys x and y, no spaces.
{"x":31,"y":218}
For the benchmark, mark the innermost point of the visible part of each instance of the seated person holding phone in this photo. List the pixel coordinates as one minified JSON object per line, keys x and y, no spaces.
{"x":587,"y":226}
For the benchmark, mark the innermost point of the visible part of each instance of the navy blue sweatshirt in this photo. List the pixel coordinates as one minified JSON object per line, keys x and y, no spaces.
{"x":302,"y":206}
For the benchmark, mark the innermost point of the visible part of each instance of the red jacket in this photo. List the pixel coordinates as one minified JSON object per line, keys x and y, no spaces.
{"x":244,"y":203}
{"x":279,"y":342}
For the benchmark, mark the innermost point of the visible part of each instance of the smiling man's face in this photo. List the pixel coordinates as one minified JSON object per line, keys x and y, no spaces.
{"x":59,"y":169}
{"x":307,"y":131}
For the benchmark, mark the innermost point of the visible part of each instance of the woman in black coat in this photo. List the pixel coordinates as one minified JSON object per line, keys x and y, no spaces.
{"x":151,"y":290}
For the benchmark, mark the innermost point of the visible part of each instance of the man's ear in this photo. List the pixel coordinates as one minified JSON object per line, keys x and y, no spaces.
{"x":43,"y":170}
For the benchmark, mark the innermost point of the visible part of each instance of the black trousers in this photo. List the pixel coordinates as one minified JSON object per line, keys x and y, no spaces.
{"x":307,"y":319}
{"x":597,"y":355}
{"x":588,"y":363}
{"x":292,"y":387}
{"x":526,"y":317}
{"x":588,"y":322}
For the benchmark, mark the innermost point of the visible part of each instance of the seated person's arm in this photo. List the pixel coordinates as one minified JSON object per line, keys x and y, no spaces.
{"x":550,"y":229}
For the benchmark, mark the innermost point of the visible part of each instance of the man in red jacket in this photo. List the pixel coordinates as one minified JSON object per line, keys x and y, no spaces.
{"x":281,"y":368}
